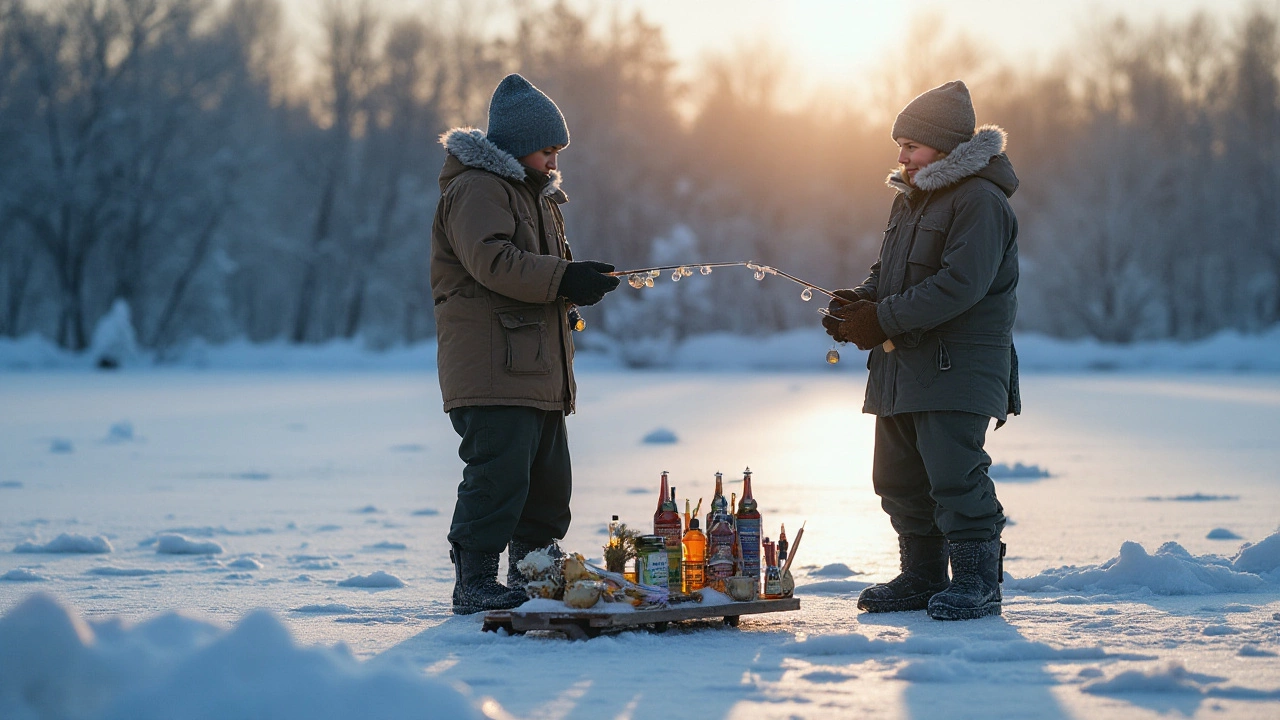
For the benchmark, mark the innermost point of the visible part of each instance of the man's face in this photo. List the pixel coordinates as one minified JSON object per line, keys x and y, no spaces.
{"x":914,"y":156}
{"x":544,"y":160}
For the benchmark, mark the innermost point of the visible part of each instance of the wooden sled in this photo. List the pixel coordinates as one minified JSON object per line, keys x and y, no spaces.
{"x":584,"y":624}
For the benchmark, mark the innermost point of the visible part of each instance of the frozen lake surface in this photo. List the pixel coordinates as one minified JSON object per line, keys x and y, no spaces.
{"x":325,"y":497}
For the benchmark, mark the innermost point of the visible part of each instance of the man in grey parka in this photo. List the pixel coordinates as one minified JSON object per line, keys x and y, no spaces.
{"x":937,"y":313}
{"x":504,"y":284}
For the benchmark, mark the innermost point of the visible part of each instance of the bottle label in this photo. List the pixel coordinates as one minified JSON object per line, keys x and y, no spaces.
{"x":695,"y":576}
{"x":654,"y":570}
{"x":749,"y":540}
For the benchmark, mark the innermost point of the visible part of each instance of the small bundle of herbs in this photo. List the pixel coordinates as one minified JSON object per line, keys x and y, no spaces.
{"x":621,"y":548}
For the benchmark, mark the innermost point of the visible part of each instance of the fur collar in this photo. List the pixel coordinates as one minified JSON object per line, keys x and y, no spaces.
{"x":967,"y":159}
{"x":474,"y":150}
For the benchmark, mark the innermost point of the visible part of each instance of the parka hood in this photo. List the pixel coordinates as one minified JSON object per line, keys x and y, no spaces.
{"x":468,"y":148}
{"x":982,"y":156}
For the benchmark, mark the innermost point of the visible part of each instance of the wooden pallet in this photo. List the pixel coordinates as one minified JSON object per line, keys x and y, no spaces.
{"x":584,"y":624}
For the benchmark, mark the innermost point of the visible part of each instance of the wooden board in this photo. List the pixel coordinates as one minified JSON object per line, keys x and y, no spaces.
{"x":582,"y":624}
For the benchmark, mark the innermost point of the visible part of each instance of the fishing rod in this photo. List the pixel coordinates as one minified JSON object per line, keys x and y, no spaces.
{"x":643,"y":277}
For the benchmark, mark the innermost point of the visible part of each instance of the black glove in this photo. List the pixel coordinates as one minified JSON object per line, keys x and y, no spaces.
{"x":585,"y":283}
{"x":860,"y":325}
{"x":842,"y":298}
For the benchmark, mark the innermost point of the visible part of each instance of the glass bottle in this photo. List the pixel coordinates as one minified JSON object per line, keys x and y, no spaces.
{"x":720,"y":545}
{"x":694,"y":563}
{"x":772,"y":575}
{"x":719,"y":505}
{"x":668,"y":526}
{"x":748,"y":527}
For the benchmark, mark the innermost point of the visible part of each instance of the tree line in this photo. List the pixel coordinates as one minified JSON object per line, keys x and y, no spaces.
{"x":173,"y":154}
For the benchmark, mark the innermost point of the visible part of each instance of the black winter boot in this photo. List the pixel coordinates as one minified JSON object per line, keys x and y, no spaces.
{"x":924,"y":573}
{"x":516,"y":550}
{"x":475,"y":583}
{"x":977,"y":569}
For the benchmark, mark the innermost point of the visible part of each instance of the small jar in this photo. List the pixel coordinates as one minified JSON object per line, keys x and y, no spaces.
{"x":651,"y":561}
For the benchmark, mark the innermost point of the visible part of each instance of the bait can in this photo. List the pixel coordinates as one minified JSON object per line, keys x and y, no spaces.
{"x":651,"y":561}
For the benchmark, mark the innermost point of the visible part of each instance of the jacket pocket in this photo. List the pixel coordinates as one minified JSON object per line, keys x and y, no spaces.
{"x":526,"y":340}
{"x":924,"y":361}
{"x":931,"y":237}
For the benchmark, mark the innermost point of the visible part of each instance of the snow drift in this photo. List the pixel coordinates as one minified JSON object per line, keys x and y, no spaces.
{"x":55,"y":665}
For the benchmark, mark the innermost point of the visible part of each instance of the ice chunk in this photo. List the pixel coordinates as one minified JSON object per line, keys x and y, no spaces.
{"x":245,"y":563}
{"x":182,"y":545}
{"x":377,"y":579}
{"x":1221,"y":534}
{"x":61,"y":446}
{"x":114,"y":341}
{"x":68,"y":543}
{"x":21,"y":575}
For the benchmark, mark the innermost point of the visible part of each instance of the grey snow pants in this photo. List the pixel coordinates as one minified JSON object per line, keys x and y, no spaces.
{"x":517,"y":481}
{"x":930,"y":471}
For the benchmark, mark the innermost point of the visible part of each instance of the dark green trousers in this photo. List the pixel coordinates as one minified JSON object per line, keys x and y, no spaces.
{"x":930,"y":471}
{"x":517,"y":481}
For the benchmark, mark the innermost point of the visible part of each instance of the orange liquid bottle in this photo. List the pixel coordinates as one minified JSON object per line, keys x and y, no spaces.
{"x":694,"y":564}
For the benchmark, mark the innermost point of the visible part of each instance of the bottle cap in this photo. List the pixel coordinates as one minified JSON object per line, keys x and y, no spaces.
{"x":693,"y":523}
{"x":615,"y":517}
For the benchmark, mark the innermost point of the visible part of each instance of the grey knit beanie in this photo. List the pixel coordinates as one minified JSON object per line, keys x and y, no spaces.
{"x":522,"y":119}
{"x":941,"y":118}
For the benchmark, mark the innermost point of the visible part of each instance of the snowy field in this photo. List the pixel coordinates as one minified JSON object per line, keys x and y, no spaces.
{"x":324,"y":497}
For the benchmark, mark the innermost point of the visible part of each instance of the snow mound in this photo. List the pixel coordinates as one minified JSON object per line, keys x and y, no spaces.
{"x":1193,"y":497}
{"x":11,"y":484}
{"x":324,"y":609}
{"x":972,"y":649}
{"x":1263,"y":557}
{"x":120,"y":432}
{"x":426,"y":512}
{"x":660,"y":436}
{"x":1170,"y":571}
{"x":245,"y":563}
{"x":832,"y":586}
{"x":1174,"y":679}
{"x":61,"y":446}
{"x":21,"y":575}
{"x":1017,"y":471}
{"x":68,"y":543}
{"x":1254,"y":651}
{"x":53,"y":665}
{"x":1221,"y":534}
{"x":183,"y":545}
{"x":111,"y":571}
{"x":377,"y":579}
{"x":387,"y":545}
{"x":835,"y":570}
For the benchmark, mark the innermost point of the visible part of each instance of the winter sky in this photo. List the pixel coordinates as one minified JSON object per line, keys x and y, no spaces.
{"x":833,"y":42}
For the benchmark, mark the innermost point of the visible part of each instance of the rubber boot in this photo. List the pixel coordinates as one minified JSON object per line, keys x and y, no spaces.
{"x":516,"y":550}
{"x":924,"y":573}
{"x":977,"y":569}
{"x":475,"y":583}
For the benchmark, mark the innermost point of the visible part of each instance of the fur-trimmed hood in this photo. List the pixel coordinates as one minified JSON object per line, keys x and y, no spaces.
{"x":982,"y":155}
{"x":472,"y":149}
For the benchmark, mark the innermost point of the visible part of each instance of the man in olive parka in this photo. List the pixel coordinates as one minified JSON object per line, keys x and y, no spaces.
{"x":504,"y":284}
{"x":937,"y":313}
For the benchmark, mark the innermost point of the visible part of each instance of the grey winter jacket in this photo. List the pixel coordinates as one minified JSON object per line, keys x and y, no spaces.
{"x":946,"y":285}
{"x":498,"y":252}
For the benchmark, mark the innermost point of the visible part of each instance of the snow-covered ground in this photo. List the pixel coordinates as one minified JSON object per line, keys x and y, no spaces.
{"x":323,"y":497}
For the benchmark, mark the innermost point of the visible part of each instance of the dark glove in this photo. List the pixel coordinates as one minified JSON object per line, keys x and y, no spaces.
{"x":859,"y":325}
{"x":842,"y":299}
{"x":585,"y":283}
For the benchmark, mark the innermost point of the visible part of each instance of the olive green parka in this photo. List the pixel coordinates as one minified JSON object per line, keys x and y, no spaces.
{"x":498,"y":252}
{"x":945,"y":284}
